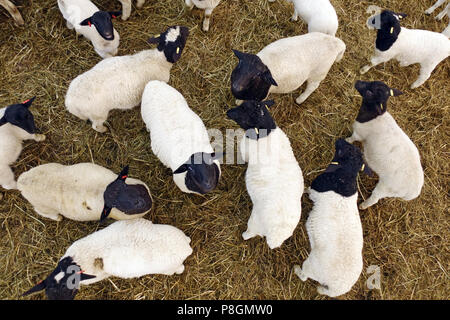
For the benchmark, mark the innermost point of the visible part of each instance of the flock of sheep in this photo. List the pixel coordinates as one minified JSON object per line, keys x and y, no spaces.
{"x":135,"y":247}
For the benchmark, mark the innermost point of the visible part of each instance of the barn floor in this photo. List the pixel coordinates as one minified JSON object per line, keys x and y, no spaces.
{"x":408,"y":241}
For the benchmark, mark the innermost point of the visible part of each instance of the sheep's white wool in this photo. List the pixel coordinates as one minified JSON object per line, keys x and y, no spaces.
{"x":131,"y":248}
{"x":275,"y":184}
{"x":336,"y":239}
{"x":75,"y":192}
{"x":176,"y":131}
{"x":207,"y":5}
{"x":126,"y":7}
{"x":318,"y":14}
{"x":414,"y":46}
{"x":115,"y":83}
{"x":294,"y":60}
{"x":392,"y":155}
{"x":75,"y":11}
{"x":11,"y":138}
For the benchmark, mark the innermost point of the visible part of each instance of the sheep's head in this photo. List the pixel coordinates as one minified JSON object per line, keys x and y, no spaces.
{"x":199,"y":174}
{"x":347,"y":157}
{"x":388,"y":25}
{"x":130,"y":199}
{"x":254,"y":115}
{"x":251,"y":79}
{"x":171,"y":42}
{"x":19,"y":115}
{"x":63,"y":282}
{"x":103,"y":23}
{"x":375,"y":96}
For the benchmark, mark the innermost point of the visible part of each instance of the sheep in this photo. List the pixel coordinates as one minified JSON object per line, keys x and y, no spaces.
{"x":387,"y":149}
{"x":118,"y":82}
{"x":82,"y":15}
{"x":274,"y":179}
{"x":441,"y":15}
{"x":208,"y":5}
{"x":125,"y":249}
{"x":408,"y":46}
{"x":318,"y":14}
{"x":16,"y":124}
{"x":179,"y":139}
{"x":334,"y":227}
{"x":126,"y":7}
{"x":284,"y":65}
{"x":12,"y":9}
{"x":84,"y":192}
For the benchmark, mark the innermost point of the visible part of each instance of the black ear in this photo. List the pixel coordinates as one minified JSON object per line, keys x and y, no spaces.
{"x":84,"y":276}
{"x":155,"y":39}
{"x":217,"y":156}
{"x":3,"y":121}
{"x":239,"y":55}
{"x":366,"y":169}
{"x":114,"y":14}
{"x":333,"y":167}
{"x":27,"y":103}
{"x":86,"y":22}
{"x":401,"y":15}
{"x":181,"y":169}
{"x":268,"y":103}
{"x":267,"y":77}
{"x":123,"y":175}
{"x":395,"y":92}
{"x":40,"y":286}
{"x":105,"y":213}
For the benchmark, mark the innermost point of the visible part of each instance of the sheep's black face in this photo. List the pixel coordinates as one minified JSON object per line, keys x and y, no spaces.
{"x":130,"y":199}
{"x":202,"y":174}
{"x":251,"y":79}
{"x":340,"y":176}
{"x":171,"y":42}
{"x":102,"y":22}
{"x":63,"y":282}
{"x":253,"y":114}
{"x":20,"y":116}
{"x":375,"y":96}
{"x":388,"y":26}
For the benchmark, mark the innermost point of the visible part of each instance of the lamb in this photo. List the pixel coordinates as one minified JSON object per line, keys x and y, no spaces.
{"x":125,"y":249}
{"x":408,"y":46}
{"x":284,"y":65}
{"x":179,"y":139}
{"x":118,"y":83}
{"x":82,"y":15}
{"x":334,"y":227}
{"x":12,"y":9}
{"x":441,"y":15}
{"x":126,"y":7}
{"x":84,"y":192}
{"x":387,"y":149}
{"x":274,"y":179}
{"x":208,"y":5}
{"x":16,"y":124}
{"x":318,"y":14}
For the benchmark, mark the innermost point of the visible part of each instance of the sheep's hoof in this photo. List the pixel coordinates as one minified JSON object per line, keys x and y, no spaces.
{"x":300,"y":100}
{"x":294,"y":19}
{"x":416,"y":85}
{"x":298,"y":271}
{"x":364,"y":69}
{"x":363,"y":206}
{"x":101,"y":129}
{"x":40,"y":137}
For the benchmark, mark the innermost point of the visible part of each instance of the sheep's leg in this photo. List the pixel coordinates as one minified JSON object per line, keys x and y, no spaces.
{"x":126,"y":9}
{"x":7,"y":178}
{"x":425,"y":73}
{"x":310,"y":88}
{"x":206,"y":21}
{"x":295,"y":15}
{"x":37,"y":137}
{"x":12,"y":9}
{"x":443,"y":12}
{"x":98,"y":126}
{"x":49,"y":213}
{"x":69,"y":25}
{"x":436,"y":5}
{"x":140,"y":3}
{"x":377,"y":194}
{"x":354,"y":137}
{"x":446,"y":31}
{"x":374,"y":61}
{"x":189,"y":4}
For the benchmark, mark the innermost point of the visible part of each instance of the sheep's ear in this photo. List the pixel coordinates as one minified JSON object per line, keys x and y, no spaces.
{"x":181,"y":169}
{"x":123,"y":175}
{"x":3,"y":121}
{"x":105,"y":213}
{"x":395,"y":92}
{"x":39,"y":287}
{"x":267,"y":77}
{"x":27,"y":103}
{"x":155,"y":39}
{"x":366,"y":169}
{"x":332,"y":167}
{"x":84,"y":276}
{"x":114,"y":14}
{"x":217,"y":155}
{"x":401,"y":15}
{"x":86,"y":22}
{"x":239,"y":55}
{"x":268,"y":103}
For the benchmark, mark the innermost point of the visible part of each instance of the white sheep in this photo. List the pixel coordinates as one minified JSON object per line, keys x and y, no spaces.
{"x":12,"y":9}
{"x":92,"y":23}
{"x":118,"y":82}
{"x":16,"y":125}
{"x":440,"y":16}
{"x":318,"y":14}
{"x":408,"y":46}
{"x":284,"y":65}
{"x":125,"y":249}
{"x":387,"y":149}
{"x":207,"y":5}
{"x":179,"y":138}
{"x":126,"y":7}
{"x":84,"y":192}
{"x":334,"y":227}
{"x":274,"y":179}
